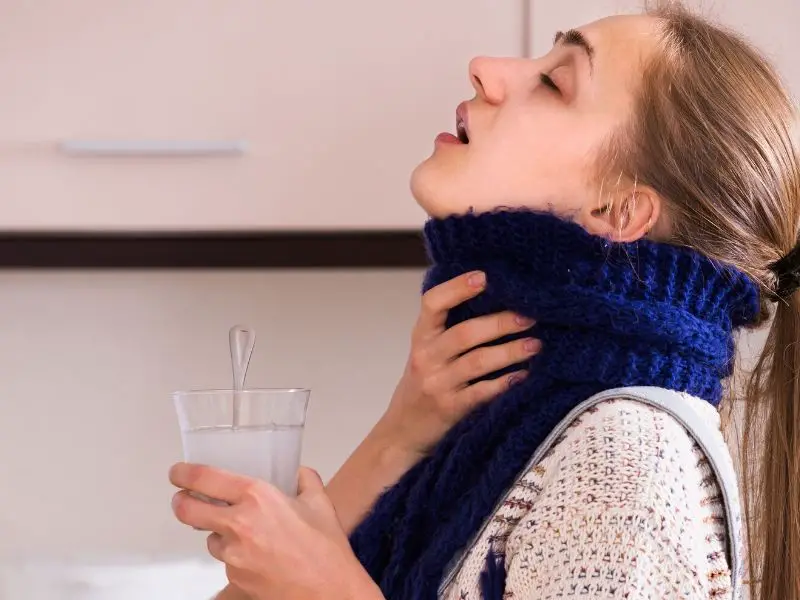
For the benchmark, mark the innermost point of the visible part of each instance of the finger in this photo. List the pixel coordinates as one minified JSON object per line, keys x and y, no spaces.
{"x":216,"y":546}
{"x":309,"y":481}
{"x":467,"y":335}
{"x":437,"y":301}
{"x":209,"y":481}
{"x":197,"y":513}
{"x":224,"y":551}
{"x":482,"y":361}
{"x":483,"y":391}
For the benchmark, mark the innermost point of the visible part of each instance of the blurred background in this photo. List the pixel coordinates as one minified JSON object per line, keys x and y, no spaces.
{"x":302,"y":119}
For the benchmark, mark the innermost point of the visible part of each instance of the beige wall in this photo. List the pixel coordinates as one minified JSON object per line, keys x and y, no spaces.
{"x":87,"y":362}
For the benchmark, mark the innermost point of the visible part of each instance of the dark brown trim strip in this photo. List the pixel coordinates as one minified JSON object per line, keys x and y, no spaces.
{"x":213,"y":250}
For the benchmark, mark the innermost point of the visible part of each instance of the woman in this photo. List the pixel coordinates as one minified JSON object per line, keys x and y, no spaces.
{"x":636,"y":192}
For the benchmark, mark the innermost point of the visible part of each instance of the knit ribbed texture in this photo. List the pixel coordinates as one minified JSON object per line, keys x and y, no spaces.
{"x":609,"y":315}
{"x":649,"y":524}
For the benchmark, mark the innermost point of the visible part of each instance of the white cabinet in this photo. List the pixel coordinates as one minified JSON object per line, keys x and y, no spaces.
{"x":337,"y":102}
{"x":770,"y":24}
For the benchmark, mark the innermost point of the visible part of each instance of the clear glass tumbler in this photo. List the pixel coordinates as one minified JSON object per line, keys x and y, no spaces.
{"x":254,"y":432}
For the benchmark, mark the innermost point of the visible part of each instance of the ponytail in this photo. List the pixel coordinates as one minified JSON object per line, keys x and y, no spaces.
{"x":771,"y":460}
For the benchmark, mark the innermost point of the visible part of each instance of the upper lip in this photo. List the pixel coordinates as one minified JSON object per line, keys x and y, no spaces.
{"x":462,"y":122}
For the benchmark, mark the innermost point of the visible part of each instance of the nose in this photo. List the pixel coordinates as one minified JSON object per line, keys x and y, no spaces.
{"x":493,"y":78}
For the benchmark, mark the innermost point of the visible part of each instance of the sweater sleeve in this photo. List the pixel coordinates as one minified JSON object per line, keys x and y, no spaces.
{"x":623,"y":512}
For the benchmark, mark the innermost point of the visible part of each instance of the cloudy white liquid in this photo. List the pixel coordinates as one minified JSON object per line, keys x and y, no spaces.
{"x":268,"y":453}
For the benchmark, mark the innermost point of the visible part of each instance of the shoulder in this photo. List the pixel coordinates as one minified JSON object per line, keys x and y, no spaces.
{"x":622,"y":440}
{"x":618,"y":419}
{"x":623,"y":454}
{"x":625,"y":493}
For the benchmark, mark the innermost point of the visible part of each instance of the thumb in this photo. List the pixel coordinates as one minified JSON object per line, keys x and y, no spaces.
{"x":316,"y":508}
{"x":308,"y":481}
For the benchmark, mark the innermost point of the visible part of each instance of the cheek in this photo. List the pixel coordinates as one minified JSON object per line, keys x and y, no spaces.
{"x":544,"y":167}
{"x":537,"y":156}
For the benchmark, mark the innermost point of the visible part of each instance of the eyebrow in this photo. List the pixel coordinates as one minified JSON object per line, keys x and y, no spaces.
{"x":573,"y":37}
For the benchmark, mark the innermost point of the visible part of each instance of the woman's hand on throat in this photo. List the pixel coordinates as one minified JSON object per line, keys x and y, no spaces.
{"x":435,"y":391}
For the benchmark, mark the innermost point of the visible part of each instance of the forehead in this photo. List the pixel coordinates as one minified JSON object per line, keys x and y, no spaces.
{"x":624,"y":37}
{"x":622,"y":45}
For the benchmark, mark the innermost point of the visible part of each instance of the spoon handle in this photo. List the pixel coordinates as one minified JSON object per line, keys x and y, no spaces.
{"x":242,"y":340}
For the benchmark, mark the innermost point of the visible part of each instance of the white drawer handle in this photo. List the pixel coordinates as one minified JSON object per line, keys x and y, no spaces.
{"x":165,"y":148}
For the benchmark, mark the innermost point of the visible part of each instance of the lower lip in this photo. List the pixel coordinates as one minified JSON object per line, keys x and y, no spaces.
{"x":448,"y":138}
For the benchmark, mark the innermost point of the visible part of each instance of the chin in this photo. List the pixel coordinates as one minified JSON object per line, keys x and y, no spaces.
{"x":422,"y":188}
{"x":434,"y":190}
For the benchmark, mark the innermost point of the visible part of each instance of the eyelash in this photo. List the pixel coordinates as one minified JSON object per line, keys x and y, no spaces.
{"x":547,"y":80}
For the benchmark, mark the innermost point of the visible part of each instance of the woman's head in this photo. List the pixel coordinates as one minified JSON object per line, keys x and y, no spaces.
{"x":663,"y":121}
{"x":537,"y":127}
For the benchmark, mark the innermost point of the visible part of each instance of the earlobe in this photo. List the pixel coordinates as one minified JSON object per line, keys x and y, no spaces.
{"x":626,"y":218}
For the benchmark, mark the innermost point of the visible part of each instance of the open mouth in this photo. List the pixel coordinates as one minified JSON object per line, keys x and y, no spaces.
{"x":461,"y":131}
{"x":462,"y":127}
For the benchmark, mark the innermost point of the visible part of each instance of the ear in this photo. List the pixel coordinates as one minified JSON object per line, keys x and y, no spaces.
{"x":625,"y":217}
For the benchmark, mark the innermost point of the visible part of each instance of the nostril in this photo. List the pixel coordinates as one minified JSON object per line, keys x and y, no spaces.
{"x":477,"y":82}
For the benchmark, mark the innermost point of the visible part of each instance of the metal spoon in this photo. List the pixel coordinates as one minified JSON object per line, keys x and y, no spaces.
{"x":242,"y":340}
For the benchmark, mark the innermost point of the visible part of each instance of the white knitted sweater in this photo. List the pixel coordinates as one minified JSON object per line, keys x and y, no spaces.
{"x":625,"y":505}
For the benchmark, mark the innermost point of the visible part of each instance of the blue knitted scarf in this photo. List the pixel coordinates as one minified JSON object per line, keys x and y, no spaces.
{"x":608,"y":315}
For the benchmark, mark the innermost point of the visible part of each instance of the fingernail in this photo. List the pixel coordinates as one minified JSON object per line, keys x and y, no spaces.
{"x":515,"y":378}
{"x":477,"y":279}
{"x":531,"y":345}
{"x":524,"y":321}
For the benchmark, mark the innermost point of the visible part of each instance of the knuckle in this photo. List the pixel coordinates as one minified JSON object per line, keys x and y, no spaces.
{"x":429,"y":303}
{"x":510,"y":323}
{"x":240,"y":522}
{"x":418,"y":360}
{"x":429,"y":386}
{"x":251,"y":490}
{"x":256,"y":493}
{"x":231,"y":555}
{"x":477,"y":361}
{"x":502,"y":324}
{"x":464,"y":336}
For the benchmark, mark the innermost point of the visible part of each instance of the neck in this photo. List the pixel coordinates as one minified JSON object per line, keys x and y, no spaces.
{"x":642,"y":313}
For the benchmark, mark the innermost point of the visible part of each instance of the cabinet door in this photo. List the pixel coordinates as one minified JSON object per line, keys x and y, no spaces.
{"x":336,"y":102}
{"x":770,"y":24}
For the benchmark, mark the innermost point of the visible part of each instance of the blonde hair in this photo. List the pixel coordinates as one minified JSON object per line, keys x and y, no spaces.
{"x":715,"y":133}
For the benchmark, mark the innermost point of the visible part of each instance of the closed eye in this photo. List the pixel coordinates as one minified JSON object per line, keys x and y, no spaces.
{"x":548,"y":81}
